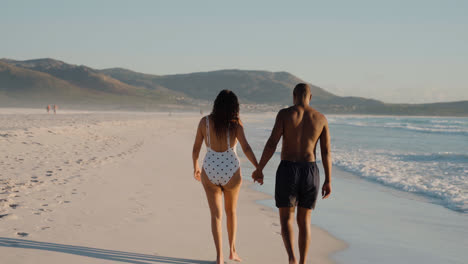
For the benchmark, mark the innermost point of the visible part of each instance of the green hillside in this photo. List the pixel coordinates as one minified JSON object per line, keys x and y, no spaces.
{"x":250,"y":86}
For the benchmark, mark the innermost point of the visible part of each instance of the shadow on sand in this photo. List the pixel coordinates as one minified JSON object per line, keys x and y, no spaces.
{"x":114,"y":255}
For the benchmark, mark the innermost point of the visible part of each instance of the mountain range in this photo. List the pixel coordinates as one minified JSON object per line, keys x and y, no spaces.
{"x":36,"y":83}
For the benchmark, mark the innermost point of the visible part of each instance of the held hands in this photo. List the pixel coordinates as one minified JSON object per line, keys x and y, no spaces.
{"x":257,"y":176}
{"x":197,"y":173}
{"x":326,"y":190}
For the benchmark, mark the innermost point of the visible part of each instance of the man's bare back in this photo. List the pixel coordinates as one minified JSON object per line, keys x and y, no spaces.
{"x":302,"y":128}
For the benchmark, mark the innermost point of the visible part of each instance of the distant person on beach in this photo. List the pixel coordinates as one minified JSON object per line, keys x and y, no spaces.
{"x":297,"y":177}
{"x":220,"y":173}
{"x":48,"y":109}
{"x":55,"y":108}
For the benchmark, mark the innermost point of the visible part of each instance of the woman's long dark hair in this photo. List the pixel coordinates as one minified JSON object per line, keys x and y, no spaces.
{"x":225,"y":113}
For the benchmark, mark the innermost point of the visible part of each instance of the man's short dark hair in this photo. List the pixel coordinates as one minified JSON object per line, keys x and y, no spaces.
{"x":301,"y":90}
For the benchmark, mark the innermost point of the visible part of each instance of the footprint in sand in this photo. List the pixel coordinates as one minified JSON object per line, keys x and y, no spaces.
{"x":49,"y":173}
{"x":45,"y":227}
{"x":3,"y":215}
{"x":10,"y":217}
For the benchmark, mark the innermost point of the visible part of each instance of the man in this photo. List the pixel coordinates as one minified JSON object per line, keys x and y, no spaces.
{"x":297,"y":177}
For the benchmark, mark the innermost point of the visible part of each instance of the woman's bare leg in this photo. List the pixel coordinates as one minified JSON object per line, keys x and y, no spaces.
{"x":214,"y":195}
{"x":231,"y":195}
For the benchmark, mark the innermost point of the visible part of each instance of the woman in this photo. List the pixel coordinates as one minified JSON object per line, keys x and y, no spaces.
{"x":221,"y":168}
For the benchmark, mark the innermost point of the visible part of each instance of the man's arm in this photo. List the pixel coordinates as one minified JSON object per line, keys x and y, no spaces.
{"x":325,"y":149}
{"x":270,"y":147}
{"x":272,"y":142}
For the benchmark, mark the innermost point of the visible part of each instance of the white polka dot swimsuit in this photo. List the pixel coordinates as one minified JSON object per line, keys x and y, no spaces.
{"x":219,"y":166}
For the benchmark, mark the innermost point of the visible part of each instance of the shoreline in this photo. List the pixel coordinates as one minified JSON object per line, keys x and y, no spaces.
{"x":122,"y":190}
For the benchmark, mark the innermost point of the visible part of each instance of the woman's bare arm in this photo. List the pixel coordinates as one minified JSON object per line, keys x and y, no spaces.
{"x":245,"y":145}
{"x":196,"y":150}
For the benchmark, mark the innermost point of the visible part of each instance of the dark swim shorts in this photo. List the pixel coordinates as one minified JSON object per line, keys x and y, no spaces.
{"x":297,"y":184}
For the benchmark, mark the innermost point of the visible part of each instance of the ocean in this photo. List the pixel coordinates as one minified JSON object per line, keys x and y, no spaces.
{"x":400,"y":186}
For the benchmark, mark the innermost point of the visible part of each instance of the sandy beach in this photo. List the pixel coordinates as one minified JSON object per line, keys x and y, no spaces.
{"x":118,"y":187}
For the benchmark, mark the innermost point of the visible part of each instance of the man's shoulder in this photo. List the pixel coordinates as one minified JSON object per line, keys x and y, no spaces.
{"x":314,"y":111}
{"x":317,"y":115}
{"x":285,"y":112}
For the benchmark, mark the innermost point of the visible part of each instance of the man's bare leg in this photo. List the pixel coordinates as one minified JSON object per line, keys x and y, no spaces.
{"x":303,"y":222}
{"x":287,"y":221}
{"x":214,"y":195}
{"x":231,"y":195}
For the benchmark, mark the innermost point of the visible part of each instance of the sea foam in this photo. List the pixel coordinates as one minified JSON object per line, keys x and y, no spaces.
{"x":392,"y":151}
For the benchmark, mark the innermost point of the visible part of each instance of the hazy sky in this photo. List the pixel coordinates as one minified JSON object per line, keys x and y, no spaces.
{"x":396,"y":51}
